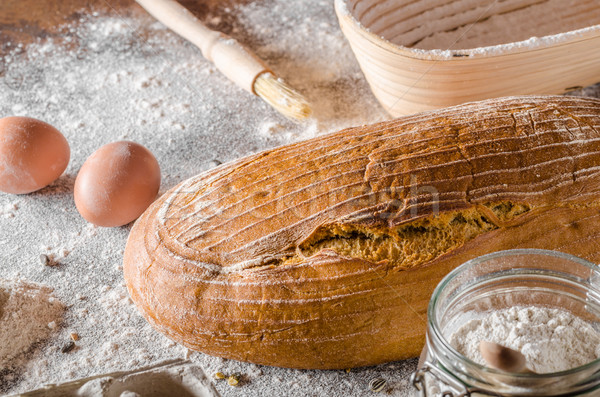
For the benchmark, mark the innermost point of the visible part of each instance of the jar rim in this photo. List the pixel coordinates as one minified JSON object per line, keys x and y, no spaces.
{"x":436,"y":330}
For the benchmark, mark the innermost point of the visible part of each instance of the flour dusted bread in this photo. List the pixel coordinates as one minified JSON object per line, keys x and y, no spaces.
{"x":324,"y":253}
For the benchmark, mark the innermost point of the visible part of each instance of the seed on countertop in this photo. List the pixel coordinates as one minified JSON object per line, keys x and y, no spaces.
{"x":233,"y":380}
{"x":74,"y":336}
{"x":377,"y":384}
{"x":219,"y":375}
{"x":45,"y":260}
{"x":48,"y":260}
{"x":215,"y":162}
{"x":68,"y":347}
{"x":348,"y":370}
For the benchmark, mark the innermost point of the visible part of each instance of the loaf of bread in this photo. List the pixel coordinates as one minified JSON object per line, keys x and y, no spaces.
{"x":324,"y":253}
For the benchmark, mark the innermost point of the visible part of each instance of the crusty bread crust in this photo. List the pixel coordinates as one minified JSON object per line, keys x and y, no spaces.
{"x":324,"y":253}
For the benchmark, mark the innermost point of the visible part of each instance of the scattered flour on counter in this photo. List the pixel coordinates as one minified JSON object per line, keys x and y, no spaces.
{"x":551,"y":339}
{"x":61,"y":245}
{"x":9,"y":210}
{"x":109,"y":78}
{"x":29,"y":314}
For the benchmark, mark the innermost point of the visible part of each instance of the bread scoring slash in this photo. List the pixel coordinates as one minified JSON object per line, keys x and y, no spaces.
{"x":324,"y":253}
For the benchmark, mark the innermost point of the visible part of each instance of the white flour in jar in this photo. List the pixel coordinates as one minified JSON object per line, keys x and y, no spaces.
{"x":551,"y":339}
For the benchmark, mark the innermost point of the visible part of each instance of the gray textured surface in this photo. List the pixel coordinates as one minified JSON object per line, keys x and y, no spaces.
{"x":113,"y":84}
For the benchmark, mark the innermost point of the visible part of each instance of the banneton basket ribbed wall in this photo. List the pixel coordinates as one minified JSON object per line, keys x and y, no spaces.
{"x":395,"y":44}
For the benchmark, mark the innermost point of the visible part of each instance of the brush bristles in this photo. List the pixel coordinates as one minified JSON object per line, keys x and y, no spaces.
{"x":282,"y":97}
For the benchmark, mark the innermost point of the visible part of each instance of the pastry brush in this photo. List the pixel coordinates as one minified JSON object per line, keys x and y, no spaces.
{"x":233,"y":60}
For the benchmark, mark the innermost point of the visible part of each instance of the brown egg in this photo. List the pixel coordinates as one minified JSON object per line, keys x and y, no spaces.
{"x":116,"y":184}
{"x":33,"y":154}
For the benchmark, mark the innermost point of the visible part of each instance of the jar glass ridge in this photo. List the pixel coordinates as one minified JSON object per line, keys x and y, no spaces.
{"x":522,"y":277}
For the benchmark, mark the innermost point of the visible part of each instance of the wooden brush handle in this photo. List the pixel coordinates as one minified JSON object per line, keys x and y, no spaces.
{"x":230,"y":57}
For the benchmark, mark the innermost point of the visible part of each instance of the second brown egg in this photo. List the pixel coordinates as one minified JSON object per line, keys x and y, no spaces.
{"x":116,"y":184}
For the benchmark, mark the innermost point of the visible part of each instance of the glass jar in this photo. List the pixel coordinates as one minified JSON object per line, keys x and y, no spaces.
{"x":523,"y":277}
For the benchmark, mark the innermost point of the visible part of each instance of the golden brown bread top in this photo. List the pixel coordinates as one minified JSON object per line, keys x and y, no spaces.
{"x":279,"y":205}
{"x":324,"y":254}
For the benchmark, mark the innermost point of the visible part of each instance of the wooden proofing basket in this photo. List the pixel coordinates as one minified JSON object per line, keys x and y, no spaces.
{"x":425,"y":54}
